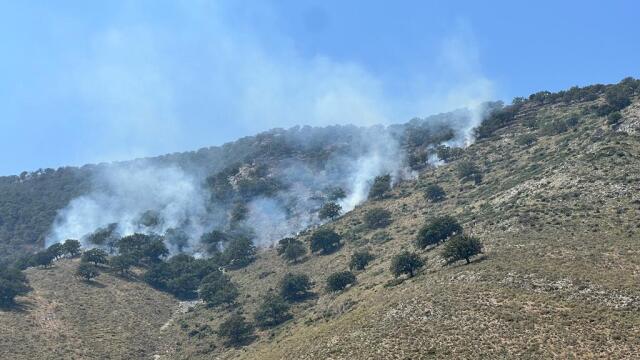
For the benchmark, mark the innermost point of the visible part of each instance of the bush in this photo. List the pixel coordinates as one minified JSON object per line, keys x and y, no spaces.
{"x":381,"y":185}
{"x":217,"y":289}
{"x":360,"y":260}
{"x":377,"y":218}
{"x":325,"y":241}
{"x":181,"y":275}
{"x":448,"y":154}
{"x":614,"y":118}
{"x":438,"y":230}
{"x":295,"y":250}
{"x":406,"y":263}
{"x":526,"y":140}
{"x":461,"y":248}
{"x":87,"y":271}
{"x":272,"y":312}
{"x":330,"y":210}
{"x":295,"y":287}
{"x":236,"y":330}
{"x":340,"y":280}
{"x":283,"y":243}
{"x":434,"y":193}
{"x":95,"y":256}
{"x":122,"y":263}
{"x":13,"y":283}
{"x":466,"y":170}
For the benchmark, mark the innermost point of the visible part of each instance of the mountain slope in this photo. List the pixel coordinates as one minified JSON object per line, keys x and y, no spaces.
{"x":557,"y":209}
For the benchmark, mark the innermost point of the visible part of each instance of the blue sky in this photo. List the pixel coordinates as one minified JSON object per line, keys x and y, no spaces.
{"x":88,"y":81}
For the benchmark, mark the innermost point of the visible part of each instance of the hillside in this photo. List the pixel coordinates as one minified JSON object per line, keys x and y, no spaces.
{"x":556,"y":207}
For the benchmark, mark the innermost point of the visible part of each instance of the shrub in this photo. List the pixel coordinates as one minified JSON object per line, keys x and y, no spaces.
{"x":87,"y":271}
{"x":381,"y":185}
{"x":325,"y":241}
{"x":360,"y":260}
{"x":272,"y":312}
{"x":438,"y":230}
{"x":614,"y":118}
{"x":217,"y":289}
{"x":466,"y":170}
{"x":461,"y":248}
{"x":381,"y":237}
{"x":526,"y":140}
{"x":295,"y":287}
{"x":181,"y":275}
{"x":295,"y":250}
{"x":434,"y":193}
{"x":13,"y":283}
{"x":236,"y":330}
{"x":377,"y":218}
{"x":95,"y":256}
{"x":406,"y":263}
{"x":330,"y":210}
{"x":340,"y":280}
{"x":283,"y":243}
{"x":448,"y":154}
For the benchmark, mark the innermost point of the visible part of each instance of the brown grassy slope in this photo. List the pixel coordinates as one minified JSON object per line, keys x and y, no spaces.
{"x":67,"y":318}
{"x":559,"y":278}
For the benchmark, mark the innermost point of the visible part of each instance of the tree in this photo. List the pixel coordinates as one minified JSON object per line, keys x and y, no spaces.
{"x":330,"y":210}
{"x":272,"y":312}
{"x":87,"y":271}
{"x":107,"y":236}
{"x":438,"y":230}
{"x":283,"y":244}
{"x":217,"y":289}
{"x":295,"y":250}
{"x":155,"y":250}
{"x":377,"y":218}
{"x":360,"y":260}
{"x":177,"y":238}
{"x":461,"y":248}
{"x":336,"y":193}
{"x":122,"y":263}
{"x":95,"y":256}
{"x":56,"y":250}
{"x":43,"y":258}
{"x":213,"y":241}
{"x":340,"y":280}
{"x":406,"y":263}
{"x":325,"y":241}
{"x":71,"y":247}
{"x":239,"y":252}
{"x":236,"y":330}
{"x":13,"y":283}
{"x":381,"y":185}
{"x":448,"y":154}
{"x":295,"y":287}
{"x":239,"y":212}
{"x":434,"y":193}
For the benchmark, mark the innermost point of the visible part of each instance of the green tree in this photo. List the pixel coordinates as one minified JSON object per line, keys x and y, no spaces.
{"x":283,"y":244}
{"x":272,"y":312}
{"x":325,"y":241}
{"x":95,"y":256}
{"x":438,"y":230}
{"x":377,"y":218}
{"x":381,"y":185}
{"x":87,"y":271}
{"x":213,"y":241}
{"x":71,"y":247}
{"x":43,"y":258}
{"x":466,"y":170}
{"x":239,"y":252}
{"x":236,"y":330}
{"x":177,"y":238}
{"x":330,"y":210}
{"x":340,"y":280}
{"x":56,"y":250}
{"x":13,"y":283}
{"x":406,"y":263}
{"x":434,"y":193}
{"x":217,"y":289}
{"x":461,"y":248}
{"x":122,"y":263}
{"x":295,"y":250}
{"x":335,"y":193}
{"x":295,"y":287}
{"x":360,"y":260}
